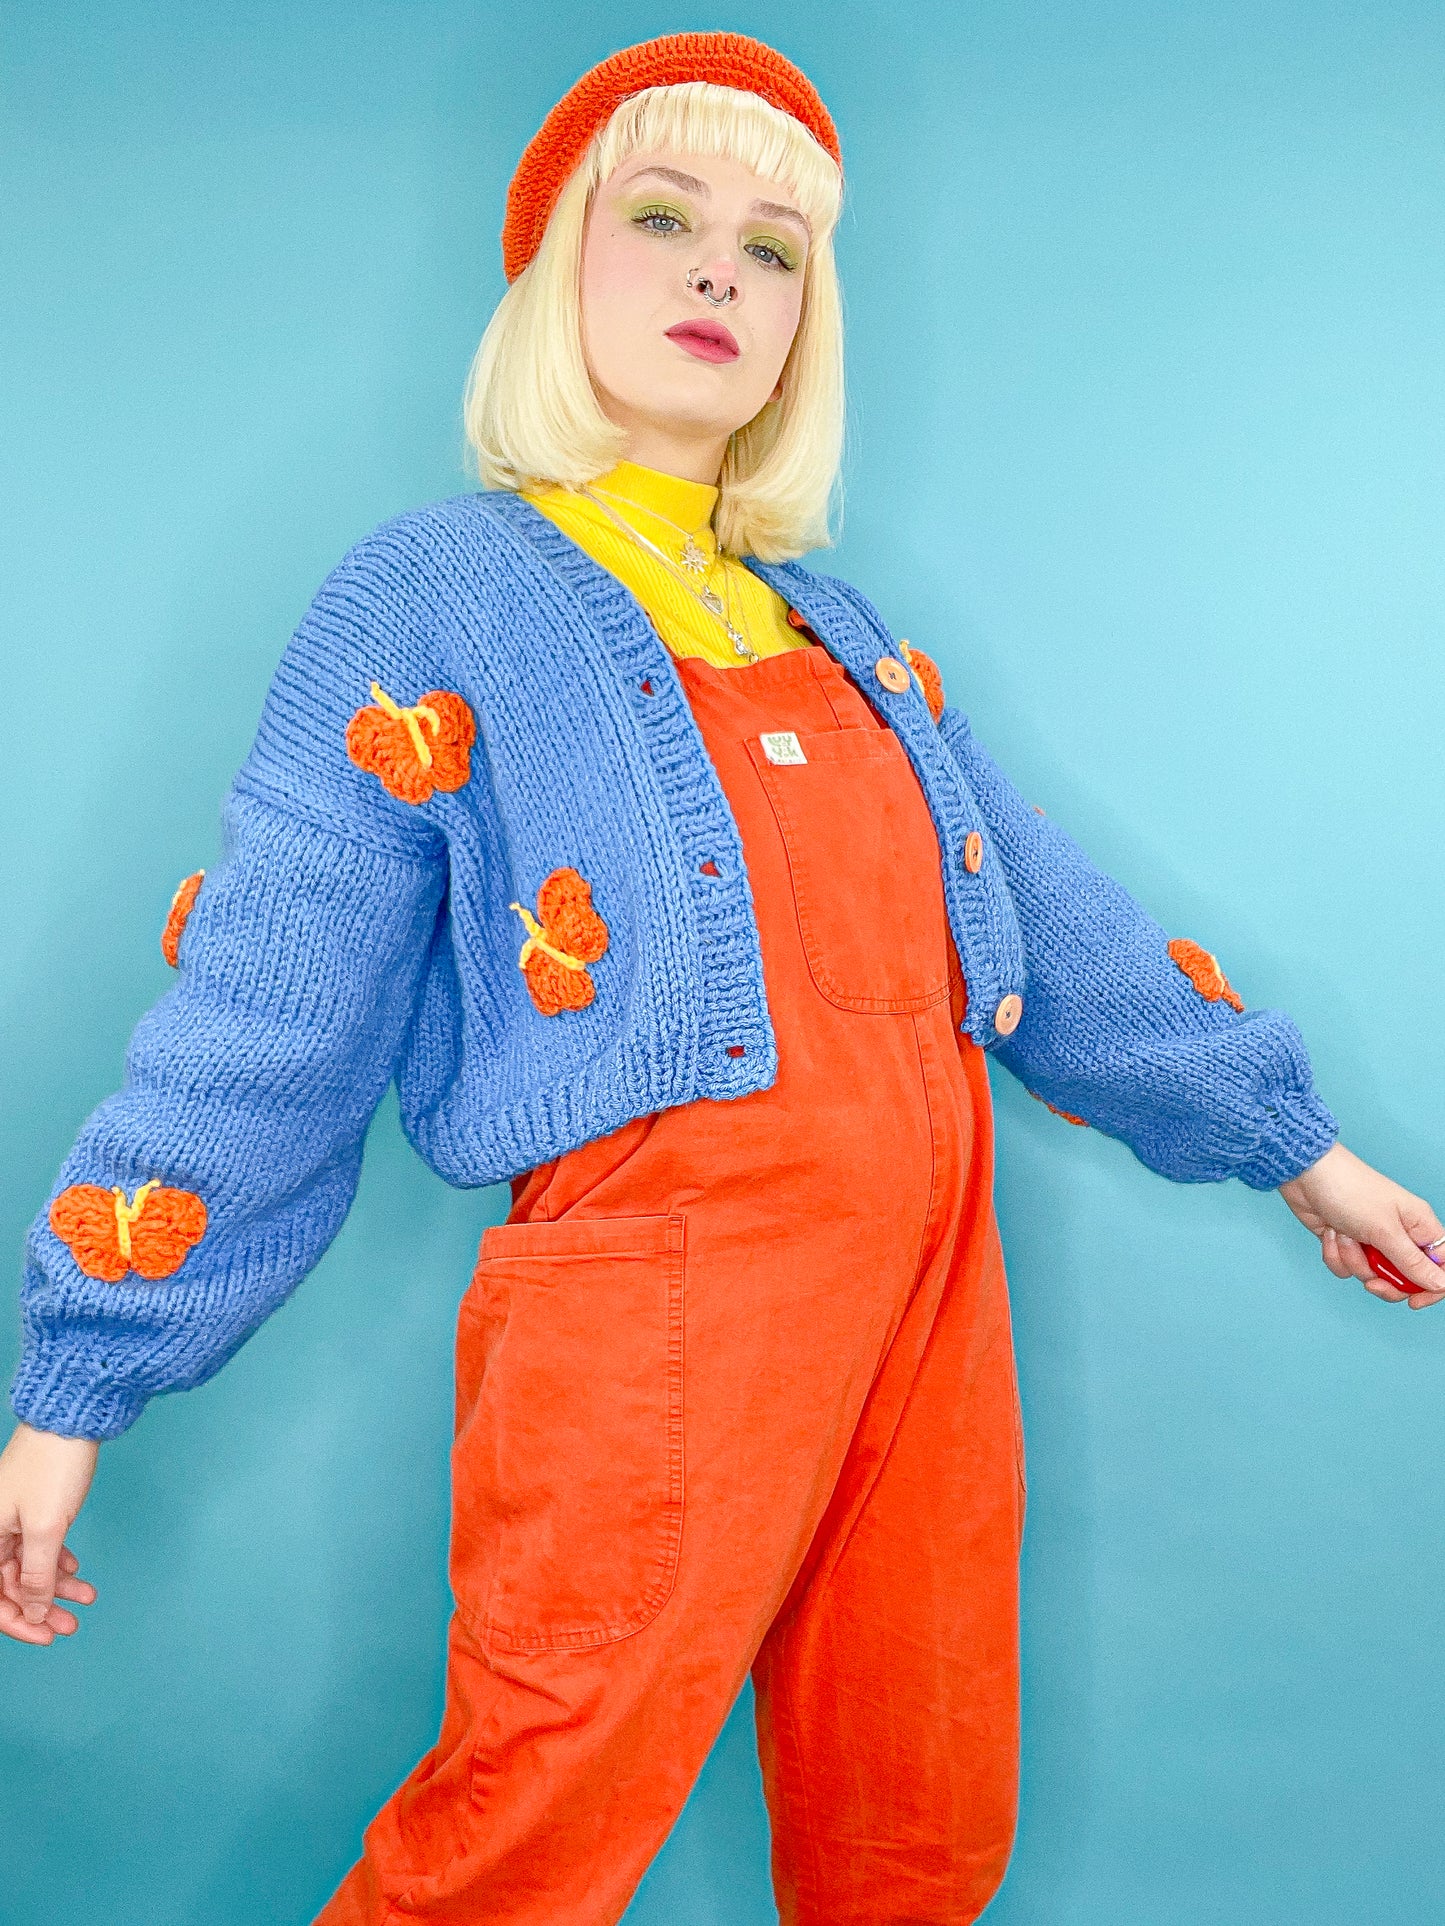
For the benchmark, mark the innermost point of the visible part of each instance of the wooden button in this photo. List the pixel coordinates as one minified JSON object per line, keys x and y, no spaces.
{"x":973,"y":853}
{"x":1006,"y":1016}
{"x":891,"y":673}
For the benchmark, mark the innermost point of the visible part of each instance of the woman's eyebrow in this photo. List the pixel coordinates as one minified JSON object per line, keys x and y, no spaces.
{"x":690,"y":184}
{"x":777,"y":211}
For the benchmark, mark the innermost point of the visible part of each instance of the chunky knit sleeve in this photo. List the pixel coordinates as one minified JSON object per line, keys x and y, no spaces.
{"x":1127,"y":1029}
{"x":199,"y":1195}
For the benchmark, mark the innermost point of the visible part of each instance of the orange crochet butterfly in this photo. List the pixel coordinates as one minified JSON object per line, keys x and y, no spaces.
{"x":562,"y":939}
{"x":926,"y":669}
{"x":1204,"y":972}
{"x":182,"y":903}
{"x":416,"y":751}
{"x":110,"y":1235}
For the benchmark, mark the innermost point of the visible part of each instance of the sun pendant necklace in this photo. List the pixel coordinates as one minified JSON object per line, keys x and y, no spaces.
{"x":694,"y":556}
{"x":707,"y":595}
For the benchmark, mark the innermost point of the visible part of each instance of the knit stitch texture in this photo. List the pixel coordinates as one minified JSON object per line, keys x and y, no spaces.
{"x":350,"y":936}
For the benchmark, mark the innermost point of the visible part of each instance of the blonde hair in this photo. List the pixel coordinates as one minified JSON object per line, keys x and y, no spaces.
{"x":532,"y":415}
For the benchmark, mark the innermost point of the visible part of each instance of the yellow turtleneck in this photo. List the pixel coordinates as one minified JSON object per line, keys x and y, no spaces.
{"x":665,"y":509}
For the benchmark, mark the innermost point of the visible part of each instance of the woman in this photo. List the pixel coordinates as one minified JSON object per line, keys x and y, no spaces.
{"x":669,"y":887}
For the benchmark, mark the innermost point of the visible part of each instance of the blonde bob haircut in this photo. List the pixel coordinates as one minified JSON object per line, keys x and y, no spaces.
{"x":532,"y":415}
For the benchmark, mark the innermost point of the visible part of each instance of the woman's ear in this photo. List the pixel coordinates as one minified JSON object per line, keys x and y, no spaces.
{"x":777,"y":393}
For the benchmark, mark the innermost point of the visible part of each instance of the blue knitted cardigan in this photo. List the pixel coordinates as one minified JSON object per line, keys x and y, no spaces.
{"x":348,"y":937}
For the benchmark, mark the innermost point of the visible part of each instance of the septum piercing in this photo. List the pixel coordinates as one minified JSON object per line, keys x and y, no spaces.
{"x":704,"y":288}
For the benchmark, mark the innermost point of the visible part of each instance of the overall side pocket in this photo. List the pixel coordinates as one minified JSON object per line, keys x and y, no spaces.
{"x":567,"y":1472}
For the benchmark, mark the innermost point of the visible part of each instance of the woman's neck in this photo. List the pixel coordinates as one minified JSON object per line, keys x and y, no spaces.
{"x":690,"y":458}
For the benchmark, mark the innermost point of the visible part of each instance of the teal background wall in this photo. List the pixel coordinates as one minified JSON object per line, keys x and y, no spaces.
{"x":1147,"y":416}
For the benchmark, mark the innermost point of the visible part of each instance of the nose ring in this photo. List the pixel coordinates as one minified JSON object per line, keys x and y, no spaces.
{"x":704,"y":287}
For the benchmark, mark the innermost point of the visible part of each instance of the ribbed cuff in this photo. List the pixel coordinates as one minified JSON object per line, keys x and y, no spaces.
{"x":62,"y":1390}
{"x":1298,"y":1130}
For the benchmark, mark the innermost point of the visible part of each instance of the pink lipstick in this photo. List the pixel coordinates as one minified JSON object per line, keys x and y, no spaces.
{"x":708,"y":340}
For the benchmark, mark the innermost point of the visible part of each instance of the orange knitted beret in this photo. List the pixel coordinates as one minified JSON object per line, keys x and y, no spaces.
{"x":726,"y":59}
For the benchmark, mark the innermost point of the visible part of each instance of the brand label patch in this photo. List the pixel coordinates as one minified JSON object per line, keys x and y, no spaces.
{"x":781,"y":745}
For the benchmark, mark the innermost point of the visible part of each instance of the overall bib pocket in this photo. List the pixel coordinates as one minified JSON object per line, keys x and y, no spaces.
{"x":860,"y":840}
{"x":567,"y":1458}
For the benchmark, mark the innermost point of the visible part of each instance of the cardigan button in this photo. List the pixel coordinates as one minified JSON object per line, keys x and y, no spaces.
{"x":973,"y":853}
{"x":891,"y":673}
{"x":1006,"y":1016}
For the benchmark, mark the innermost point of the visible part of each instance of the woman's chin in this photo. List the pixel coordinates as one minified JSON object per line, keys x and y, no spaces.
{"x":697,"y":402}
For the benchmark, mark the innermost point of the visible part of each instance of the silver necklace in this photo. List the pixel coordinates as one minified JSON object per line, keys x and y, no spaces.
{"x":708,"y":596}
{"x":694,"y":556}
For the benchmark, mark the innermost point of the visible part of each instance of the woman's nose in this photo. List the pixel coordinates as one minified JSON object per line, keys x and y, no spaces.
{"x":716,"y":280}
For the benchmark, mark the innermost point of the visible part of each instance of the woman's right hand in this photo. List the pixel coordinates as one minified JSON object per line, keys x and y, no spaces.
{"x":43,"y":1482}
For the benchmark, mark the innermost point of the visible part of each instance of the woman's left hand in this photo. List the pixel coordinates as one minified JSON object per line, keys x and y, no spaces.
{"x":1347,"y":1204}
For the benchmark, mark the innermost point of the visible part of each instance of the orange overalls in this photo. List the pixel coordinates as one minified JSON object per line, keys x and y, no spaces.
{"x":735,"y":1390}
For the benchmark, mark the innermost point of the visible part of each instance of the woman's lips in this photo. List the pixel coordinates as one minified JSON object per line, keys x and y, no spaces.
{"x":708,"y":340}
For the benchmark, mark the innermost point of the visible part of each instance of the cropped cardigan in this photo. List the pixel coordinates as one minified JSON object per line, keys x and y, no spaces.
{"x":476,"y":752}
